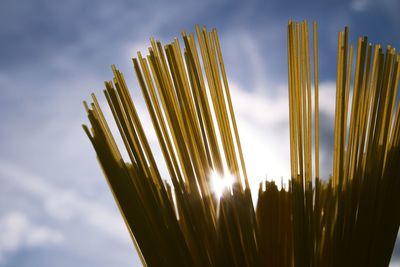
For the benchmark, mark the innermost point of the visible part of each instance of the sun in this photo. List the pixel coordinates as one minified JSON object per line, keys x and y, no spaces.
{"x":221,"y":183}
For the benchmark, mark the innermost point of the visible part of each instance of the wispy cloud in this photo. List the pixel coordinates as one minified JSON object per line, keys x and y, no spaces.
{"x":61,"y":214}
{"x":360,"y":5}
{"x":63,"y":204}
{"x":18,"y":232}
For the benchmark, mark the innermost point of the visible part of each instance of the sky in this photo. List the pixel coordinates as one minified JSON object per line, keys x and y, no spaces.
{"x":55,"y":206}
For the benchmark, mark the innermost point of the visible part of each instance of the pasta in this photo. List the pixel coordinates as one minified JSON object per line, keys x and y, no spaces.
{"x":205,"y":215}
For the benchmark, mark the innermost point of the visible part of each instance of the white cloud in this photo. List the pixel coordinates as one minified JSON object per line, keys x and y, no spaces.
{"x":360,"y":5}
{"x":389,"y":6}
{"x":261,"y":109}
{"x":264,"y":134}
{"x":17,"y":232}
{"x":327,"y":96}
{"x":66,"y":205}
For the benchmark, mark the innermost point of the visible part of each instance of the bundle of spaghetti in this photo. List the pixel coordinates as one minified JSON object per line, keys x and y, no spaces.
{"x":193,"y":117}
{"x":352,"y":219}
{"x":204,"y":214}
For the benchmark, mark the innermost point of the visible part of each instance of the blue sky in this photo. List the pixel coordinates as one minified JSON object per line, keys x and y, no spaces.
{"x":55,"y":207}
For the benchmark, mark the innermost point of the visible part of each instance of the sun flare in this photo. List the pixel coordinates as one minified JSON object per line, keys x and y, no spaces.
{"x":221,"y":183}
